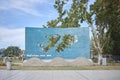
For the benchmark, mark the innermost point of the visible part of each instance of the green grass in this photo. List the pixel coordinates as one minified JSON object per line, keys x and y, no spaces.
{"x":16,"y":67}
{"x":17,"y":60}
{"x":110,"y":66}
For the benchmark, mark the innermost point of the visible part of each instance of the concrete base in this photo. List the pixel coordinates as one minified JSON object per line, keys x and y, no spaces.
{"x":57,"y":62}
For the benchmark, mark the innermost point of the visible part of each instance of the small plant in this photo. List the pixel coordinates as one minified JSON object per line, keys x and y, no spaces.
{"x":1,"y":62}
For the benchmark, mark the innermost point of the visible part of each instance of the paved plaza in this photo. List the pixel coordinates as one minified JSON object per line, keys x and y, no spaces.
{"x":59,"y":74}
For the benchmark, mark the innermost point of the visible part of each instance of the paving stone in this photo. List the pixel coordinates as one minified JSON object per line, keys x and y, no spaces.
{"x":59,"y":74}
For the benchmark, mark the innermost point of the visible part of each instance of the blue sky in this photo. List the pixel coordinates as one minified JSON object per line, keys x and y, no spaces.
{"x":15,"y":15}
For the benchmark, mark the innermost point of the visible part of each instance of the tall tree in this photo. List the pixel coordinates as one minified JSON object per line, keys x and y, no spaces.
{"x":12,"y":51}
{"x":105,"y":14}
{"x":77,"y":13}
{"x":108,"y":19}
{"x":73,"y":17}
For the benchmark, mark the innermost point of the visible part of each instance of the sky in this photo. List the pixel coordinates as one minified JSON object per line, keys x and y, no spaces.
{"x":15,"y":15}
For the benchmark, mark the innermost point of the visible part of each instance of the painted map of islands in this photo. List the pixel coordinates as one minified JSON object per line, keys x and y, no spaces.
{"x":66,"y":41}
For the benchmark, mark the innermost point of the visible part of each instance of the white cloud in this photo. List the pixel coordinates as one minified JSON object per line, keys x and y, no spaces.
{"x":15,"y":37}
{"x":26,"y":6}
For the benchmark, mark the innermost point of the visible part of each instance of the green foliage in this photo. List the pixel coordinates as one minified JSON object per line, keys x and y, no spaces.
{"x":107,"y":17}
{"x":12,"y":51}
{"x":52,"y":23}
{"x":68,"y":18}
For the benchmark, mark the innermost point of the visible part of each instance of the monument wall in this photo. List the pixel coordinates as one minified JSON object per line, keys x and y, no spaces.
{"x":49,"y":43}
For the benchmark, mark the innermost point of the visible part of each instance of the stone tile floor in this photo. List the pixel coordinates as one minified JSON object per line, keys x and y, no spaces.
{"x":59,"y":74}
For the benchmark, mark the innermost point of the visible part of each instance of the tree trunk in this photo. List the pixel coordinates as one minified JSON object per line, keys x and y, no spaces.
{"x":99,"y":58}
{"x":97,"y":44}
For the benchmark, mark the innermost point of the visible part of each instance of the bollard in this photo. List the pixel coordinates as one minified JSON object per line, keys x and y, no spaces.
{"x":104,"y":63}
{"x":9,"y":65}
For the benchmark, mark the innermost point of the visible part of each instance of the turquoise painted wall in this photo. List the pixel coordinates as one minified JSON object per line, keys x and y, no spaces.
{"x":36,"y":39}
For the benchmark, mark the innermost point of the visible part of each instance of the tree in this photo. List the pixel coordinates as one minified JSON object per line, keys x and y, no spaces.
{"x":12,"y":51}
{"x":77,"y":13}
{"x":108,"y":18}
{"x":105,"y":14}
{"x":107,"y":33}
{"x":67,"y":19}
